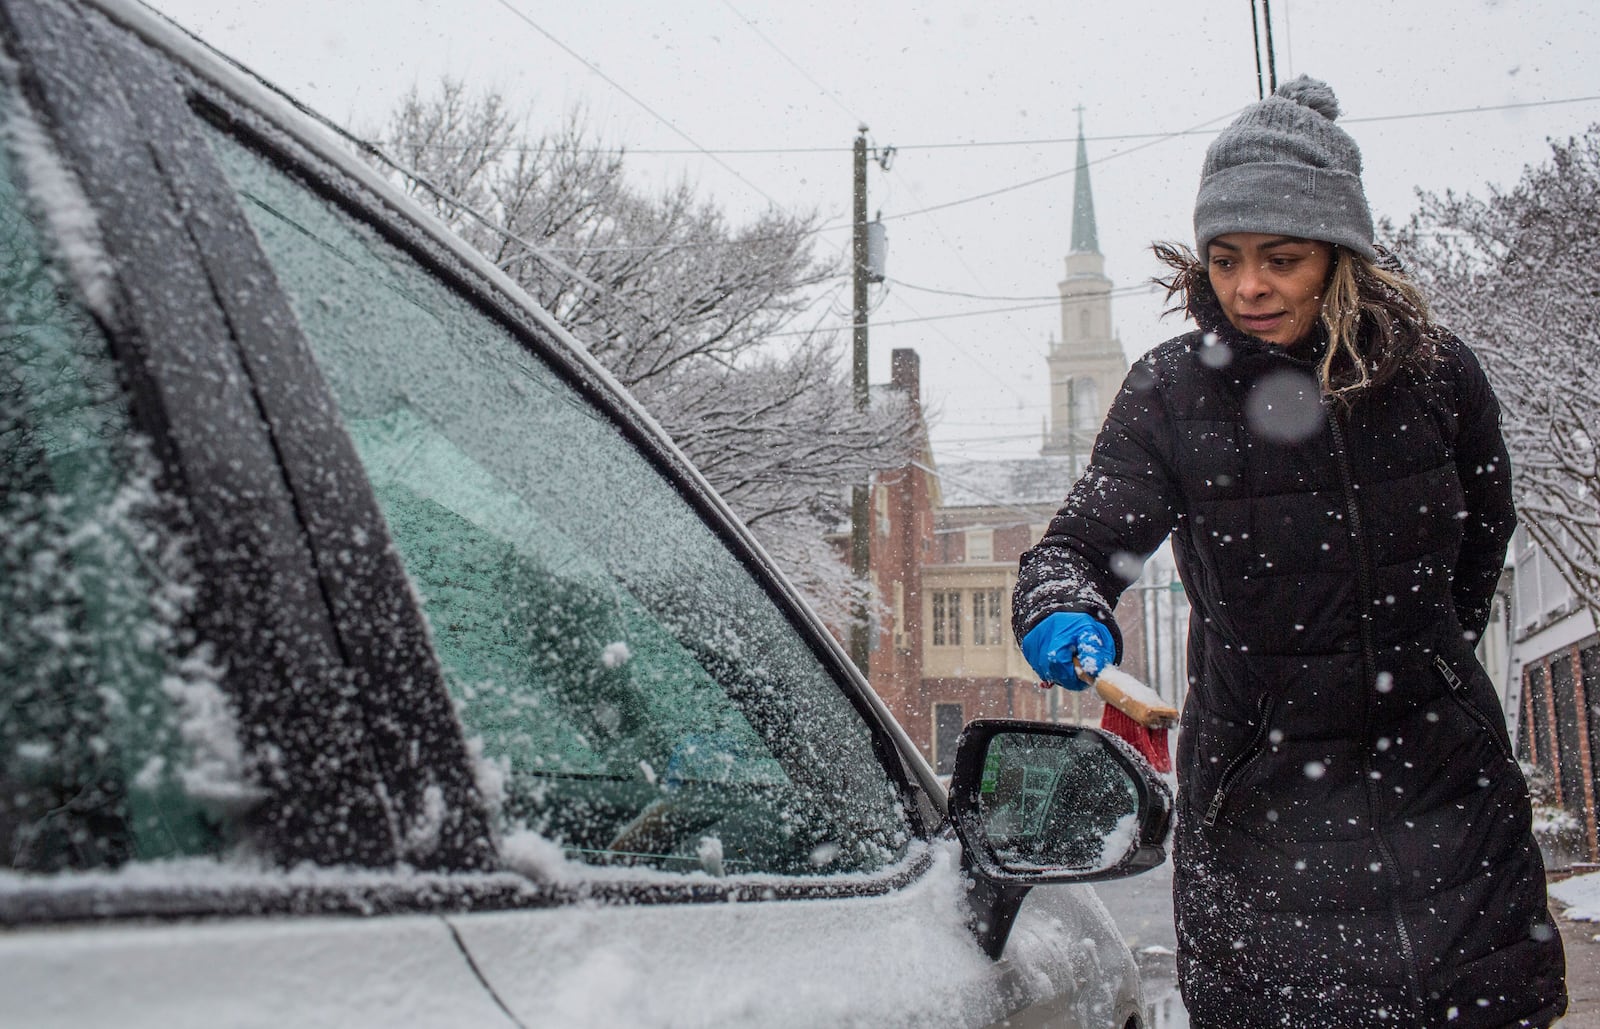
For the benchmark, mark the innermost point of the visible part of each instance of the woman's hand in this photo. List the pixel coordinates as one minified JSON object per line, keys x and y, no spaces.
{"x":1051,"y":645}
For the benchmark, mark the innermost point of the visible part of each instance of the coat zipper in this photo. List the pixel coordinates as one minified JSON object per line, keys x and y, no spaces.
{"x":1369,"y":673}
{"x":1235,"y":767}
{"x":1458,"y":693}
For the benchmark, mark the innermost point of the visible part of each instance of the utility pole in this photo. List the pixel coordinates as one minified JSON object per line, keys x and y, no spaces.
{"x":1271,"y":85}
{"x":860,"y":513}
{"x":1156,"y":673}
{"x":1272,"y":58}
{"x":1180,"y":680}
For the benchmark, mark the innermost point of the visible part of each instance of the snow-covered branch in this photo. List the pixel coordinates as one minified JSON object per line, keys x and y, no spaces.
{"x":682,"y":307}
{"x":1518,"y":276}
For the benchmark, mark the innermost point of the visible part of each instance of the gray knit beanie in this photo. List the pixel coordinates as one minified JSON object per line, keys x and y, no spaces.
{"x":1284,"y":167}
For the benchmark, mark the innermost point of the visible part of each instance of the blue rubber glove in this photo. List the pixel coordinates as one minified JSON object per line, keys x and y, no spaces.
{"x":1051,"y":645}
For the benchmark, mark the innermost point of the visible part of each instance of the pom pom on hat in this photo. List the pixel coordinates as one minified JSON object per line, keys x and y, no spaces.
{"x":1313,"y":93}
{"x":1284,"y":168}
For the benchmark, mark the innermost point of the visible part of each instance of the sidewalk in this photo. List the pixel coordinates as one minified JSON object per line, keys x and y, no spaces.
{"x":1582,"y":940}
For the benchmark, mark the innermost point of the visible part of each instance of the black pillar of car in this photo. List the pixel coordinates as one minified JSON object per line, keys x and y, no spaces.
{"x":410,"y":727}
{"x":218,"y":371}
{"x":992,"y":906}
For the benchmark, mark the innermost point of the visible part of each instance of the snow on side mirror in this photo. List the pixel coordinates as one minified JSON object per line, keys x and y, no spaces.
{"x":1036,"y":803}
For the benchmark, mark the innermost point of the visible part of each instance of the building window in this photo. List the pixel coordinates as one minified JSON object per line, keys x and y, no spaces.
{"x":947,"y":618}
{"x":986,"y":618}
{"x":947,"y":725}
{"x":1568,"y":733}
{"x":1541,"y":741}
{"x":980,"y":545}
{"x":1542,"y":591}
{"x":1085,"y":403}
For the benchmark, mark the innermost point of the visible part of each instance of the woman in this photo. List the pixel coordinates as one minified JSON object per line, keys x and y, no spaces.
{"x":1353,"y":844}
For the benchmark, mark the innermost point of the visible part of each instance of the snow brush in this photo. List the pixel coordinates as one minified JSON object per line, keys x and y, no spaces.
{"x":1134,"y":712}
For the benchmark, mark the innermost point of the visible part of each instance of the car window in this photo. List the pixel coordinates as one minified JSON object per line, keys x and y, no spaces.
{"x":636,"y":694}
{"x":115,"y":741}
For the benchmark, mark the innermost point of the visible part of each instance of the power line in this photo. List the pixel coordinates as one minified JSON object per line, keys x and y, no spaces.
{"x":1065,"y":171}
{"x":693,"y":244}
{"x":1046,"y":141}
{"x":1049,"y":301}
{"x":834,"y":150}
{"x":619,"y":87}
{"x":824,"y":90}
{"x":1472,"y":110}
{"x":1009,"y":438}
{"x":986,"y":367}
{"x":961,"y":259}
{"x":1045,"y":302}
{"x":989,"y":424}
{"x":955,"y":251}
{"x":1003,"y":504}
{"x":376,"y":153}
{"x":934,"y":317}
{"x":1119,"y":291}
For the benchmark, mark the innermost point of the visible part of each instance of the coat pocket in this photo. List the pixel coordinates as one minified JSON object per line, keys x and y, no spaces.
{"x":1459,"y":694}
{"x":1241,"y":762}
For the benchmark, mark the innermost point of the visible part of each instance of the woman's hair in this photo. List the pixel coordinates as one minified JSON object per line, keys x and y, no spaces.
{"x":1375,"y":319}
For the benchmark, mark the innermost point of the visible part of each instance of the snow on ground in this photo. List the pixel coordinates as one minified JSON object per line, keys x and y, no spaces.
{"x":1581,"y":895}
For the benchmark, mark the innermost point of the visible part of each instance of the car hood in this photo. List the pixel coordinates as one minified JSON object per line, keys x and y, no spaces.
{"x":903,"y":958}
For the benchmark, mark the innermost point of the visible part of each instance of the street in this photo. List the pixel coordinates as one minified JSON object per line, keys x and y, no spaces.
{"x":1582,"y":940}
{"x":1142,"y":908}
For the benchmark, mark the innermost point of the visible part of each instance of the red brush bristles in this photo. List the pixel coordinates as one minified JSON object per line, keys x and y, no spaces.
{"x":1151,"y":743}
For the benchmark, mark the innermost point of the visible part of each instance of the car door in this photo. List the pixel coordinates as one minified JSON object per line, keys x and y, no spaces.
{"x":654,"y":719}
{"x":177,"y":729}
{"x":493,"y":649}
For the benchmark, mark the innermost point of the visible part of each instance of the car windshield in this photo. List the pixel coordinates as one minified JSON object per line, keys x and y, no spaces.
{"x":633,"y":690}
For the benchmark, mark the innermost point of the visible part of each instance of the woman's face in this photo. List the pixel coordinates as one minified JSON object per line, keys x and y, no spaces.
{"x":1269,"y":286}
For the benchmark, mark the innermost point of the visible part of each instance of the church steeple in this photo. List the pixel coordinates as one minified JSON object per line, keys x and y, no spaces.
{"x":1087,"y":366}
{"x":1084,"y":238}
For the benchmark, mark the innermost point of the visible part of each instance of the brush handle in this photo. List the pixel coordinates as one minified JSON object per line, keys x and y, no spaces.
{"x":1149,"y":710}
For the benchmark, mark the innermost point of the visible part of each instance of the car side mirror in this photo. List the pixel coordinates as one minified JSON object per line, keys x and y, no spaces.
{"x":1036,"y":803}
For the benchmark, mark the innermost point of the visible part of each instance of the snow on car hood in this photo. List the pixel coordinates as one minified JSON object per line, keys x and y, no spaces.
{"x":903,"y":958}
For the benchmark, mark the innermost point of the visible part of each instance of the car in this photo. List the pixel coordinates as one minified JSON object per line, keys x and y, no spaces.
{"x":369,"y":657}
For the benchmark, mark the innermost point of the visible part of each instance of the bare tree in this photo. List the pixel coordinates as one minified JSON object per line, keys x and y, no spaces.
{"x":704,"y":322}
{"x":1518,"y":275}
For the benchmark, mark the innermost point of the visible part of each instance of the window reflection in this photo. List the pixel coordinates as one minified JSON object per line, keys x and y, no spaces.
{"x":1056,"y":801}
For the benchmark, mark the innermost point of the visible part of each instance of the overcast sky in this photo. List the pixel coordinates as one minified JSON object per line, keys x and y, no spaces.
{"x":980,"y":101}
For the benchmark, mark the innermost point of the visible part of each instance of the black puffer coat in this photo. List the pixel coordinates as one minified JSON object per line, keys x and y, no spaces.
{"x":1353,"y":845}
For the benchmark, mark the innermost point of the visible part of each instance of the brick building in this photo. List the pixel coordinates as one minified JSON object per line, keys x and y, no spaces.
{"x":1552,"y":699}
{"x":972,"y":667}
{"x":901,"y":502}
